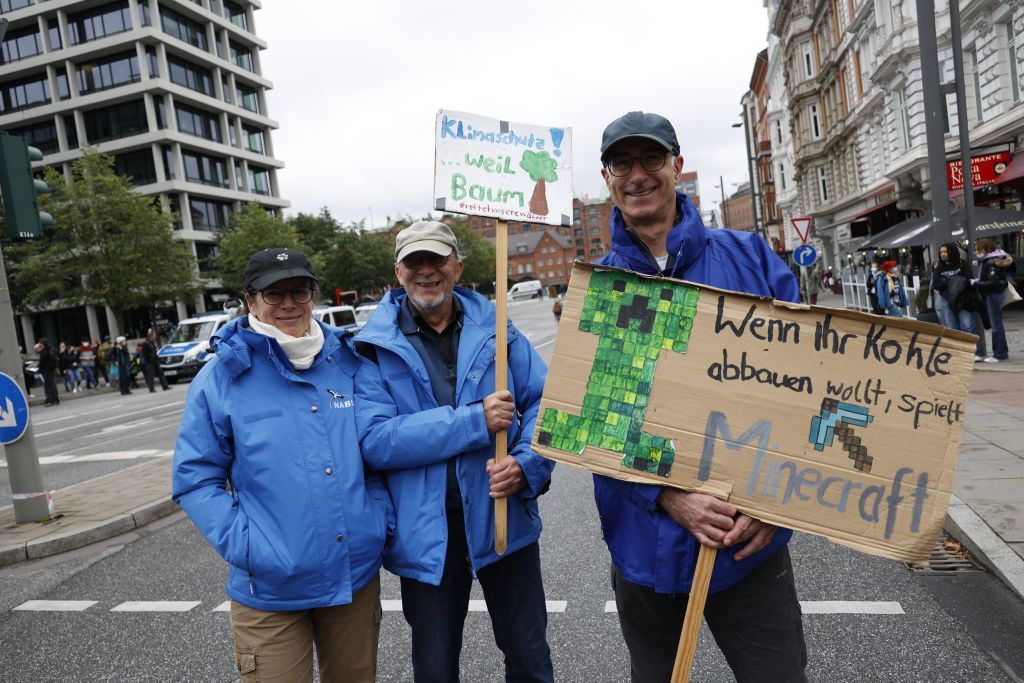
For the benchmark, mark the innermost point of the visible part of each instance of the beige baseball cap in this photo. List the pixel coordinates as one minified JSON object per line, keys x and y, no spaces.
{"x":429,"y":236}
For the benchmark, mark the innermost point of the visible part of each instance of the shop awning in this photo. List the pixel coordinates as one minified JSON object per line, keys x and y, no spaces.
{"x":1014,"y":170}
{"x":915,"y":232}
{"x":850,"y":219}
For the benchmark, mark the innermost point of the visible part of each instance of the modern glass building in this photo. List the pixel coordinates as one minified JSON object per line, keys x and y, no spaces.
{"x":171,"y":88}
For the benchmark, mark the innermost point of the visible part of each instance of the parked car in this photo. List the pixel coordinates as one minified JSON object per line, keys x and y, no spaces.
{"x":363,"y":313}
{"x":531,"y":289}
{"x":337,"y":316}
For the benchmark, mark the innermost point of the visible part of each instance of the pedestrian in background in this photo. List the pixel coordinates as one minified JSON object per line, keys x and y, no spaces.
{"x":104,"y":355}
{"x":892,"y":298}
{"x":151,"y":362}
{"x":87,"y":359}
{"x":69,"y":367}
{"x":268,"y":467}
{"x":122,"y":365}
{"x":957,"y":298}
{"x":49,"y":366}
{"x":810,"y":284}
{"x":994,"y":270}
{"x":871,"y":284}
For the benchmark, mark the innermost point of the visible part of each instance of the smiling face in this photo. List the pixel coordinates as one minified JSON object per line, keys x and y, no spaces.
{"x":289,"y":317}
{"x":429,"y":279}
{"x":642,"y":196}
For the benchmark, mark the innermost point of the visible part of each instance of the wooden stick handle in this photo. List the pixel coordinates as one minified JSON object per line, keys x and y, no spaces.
{"x":694,"y":614}
{"x":501,"y":373}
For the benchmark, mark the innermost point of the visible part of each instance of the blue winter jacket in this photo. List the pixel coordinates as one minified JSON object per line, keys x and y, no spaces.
{"x":409,"y":437}
{"x":302,"y":525}
{"x":646,"y":545}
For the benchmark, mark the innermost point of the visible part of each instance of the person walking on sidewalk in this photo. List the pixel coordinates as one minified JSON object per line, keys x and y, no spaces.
{"x":810,"y":284}
{"x":268,"y":467}
{"x":49,"y":366}
{"x":69,"y":367}
{"x":993,"y":276}
{"x":957,"y":298}
{"x":151,"y":363}
{"x":104,"y":354}
{"x":892,"y":298}
{"x":87,"y":358}
{"x":122,"y":365}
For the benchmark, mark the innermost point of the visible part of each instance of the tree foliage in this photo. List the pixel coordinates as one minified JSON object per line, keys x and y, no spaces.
{"x":361,"y":260}
{"x":108,"y":244}
{"x":477,"y":255}
{"x":252,"y":229}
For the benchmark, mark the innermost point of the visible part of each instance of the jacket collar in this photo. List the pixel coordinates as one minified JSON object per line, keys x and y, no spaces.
{"x":235,"y":344}
{"x":686,"y":240}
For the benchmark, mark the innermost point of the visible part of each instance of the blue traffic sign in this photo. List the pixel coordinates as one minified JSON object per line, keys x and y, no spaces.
{"x":13,"y":410}
{"x":805,"y":255}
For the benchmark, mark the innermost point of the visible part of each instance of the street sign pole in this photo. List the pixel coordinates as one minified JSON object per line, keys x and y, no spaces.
{"x":934,"y":106}
{"x":27,"y":490}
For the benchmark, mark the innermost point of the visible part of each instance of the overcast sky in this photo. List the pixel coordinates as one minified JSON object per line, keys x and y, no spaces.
{"x":357,"y":84}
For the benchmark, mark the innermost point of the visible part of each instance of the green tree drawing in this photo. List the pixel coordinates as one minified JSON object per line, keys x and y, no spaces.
{"x":541,"y":168}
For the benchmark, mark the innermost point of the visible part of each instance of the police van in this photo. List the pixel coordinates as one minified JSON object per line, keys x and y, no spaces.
{"x":189,"y":345}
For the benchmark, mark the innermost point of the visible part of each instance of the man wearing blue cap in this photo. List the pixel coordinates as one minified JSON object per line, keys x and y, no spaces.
{"x":653,"y":532}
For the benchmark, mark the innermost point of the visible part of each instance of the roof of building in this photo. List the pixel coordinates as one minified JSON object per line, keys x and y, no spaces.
{"x":530,"y":240}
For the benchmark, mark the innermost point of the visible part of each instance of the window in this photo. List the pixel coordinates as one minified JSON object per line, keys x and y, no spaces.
{"x":197,"y":122}
{"x":183,"y":28}
{"x":99,"y":21}
{"x":24,"y":93}
{"x":235,"y":14}
{"x":972,"y":64}
{"x":815,"y":123}
{"x":782,"y":175}
{"x":168,"y":157}
{"x":63,"y":89}
{"x":843,"y":101}
{"x":1011,"y":62}
{"x":232,"y":132}
{"x":254,"y":140}
{"x":904,"y":119}
{"x":144,"y":13}
{"x":119,"y":121}
{"x":808,"y":59}
{"x":53,"y":30}
{"x":206,"y":256}
{"x":859,"y":78}
{"x":111,"y":72}
{"x":240,"y":56}
{"x":822,"y":184}
{"x":137,"y":165}
{"x":226,"y":89}
{"x":205,"y":169}
{"x":209,"y":215}
{"x":41,"y":135}
{"x":11,"y":5}
{"x":190,"y":76}
{"x":71,"y":131}
{"x":21,"y":44}
{"x":247,"y":98}
{"x":159,"y":111}
{"x":778,"y":131}
{"x":219,"y":45}
{"x":154,"y":64}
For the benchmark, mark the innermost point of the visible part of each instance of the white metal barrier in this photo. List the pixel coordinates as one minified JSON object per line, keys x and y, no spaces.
{"x":855,"y":294}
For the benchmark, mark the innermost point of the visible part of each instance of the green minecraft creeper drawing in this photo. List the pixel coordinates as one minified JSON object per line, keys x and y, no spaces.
{"x":635,"y":319}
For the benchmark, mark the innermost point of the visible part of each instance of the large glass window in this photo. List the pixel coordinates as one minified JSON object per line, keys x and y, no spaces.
{"x":111,"y":72}
{"x":42,"y":135}
{"x":198,"y":122}
{"x":208,"y":214}
{"x":119,"y":121}
{"x":205,"y":169}
{"x":99,"y":21}
{"x":190,"y":76}
{"x":11,"y":5}
{"x":247,"y":98}
{"x":154,"y":63}
{"x":235,"y":14}
{"x":71,"y":131}
{"x":24,"y":93}
{"x":63,"y":89}
{"x":183,"y":28}
{"x":53,"y":28}
{"x":1011,"y":63}
{"x":254,"y":139}
{"x":21,"y":44}
{"x":158,"y":108}
{"x":259,"y":180}
{"x":168,"y":155}
{"x":137,"y":165}
{"x":241,"y":56}
{"x":206,"y":257}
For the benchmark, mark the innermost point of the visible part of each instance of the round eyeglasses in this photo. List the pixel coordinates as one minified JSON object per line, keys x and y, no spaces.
{"x":651,"y":162}
{"x":300,"y":295}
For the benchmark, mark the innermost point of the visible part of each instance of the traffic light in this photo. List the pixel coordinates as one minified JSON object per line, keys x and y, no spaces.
{"x":19,"y":188}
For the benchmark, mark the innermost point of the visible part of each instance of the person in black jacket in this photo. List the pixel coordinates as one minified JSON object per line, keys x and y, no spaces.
{"x":49,"y":363}
{"x":957,"y":298}
{"x":151,"y":362}
{"x":993,"y":274}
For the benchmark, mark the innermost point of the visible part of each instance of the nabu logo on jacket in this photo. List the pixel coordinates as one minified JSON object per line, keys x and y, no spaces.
{"x":339,"y":400}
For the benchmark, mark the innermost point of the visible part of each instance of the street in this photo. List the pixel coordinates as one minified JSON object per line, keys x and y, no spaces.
{"x":150,"y":605}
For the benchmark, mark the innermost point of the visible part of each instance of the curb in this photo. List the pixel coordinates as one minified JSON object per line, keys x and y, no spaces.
{"x":964,"y":524}
{"x":100,"y":531}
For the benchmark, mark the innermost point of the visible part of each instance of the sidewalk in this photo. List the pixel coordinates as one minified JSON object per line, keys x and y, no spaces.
{"x":986,"y":512}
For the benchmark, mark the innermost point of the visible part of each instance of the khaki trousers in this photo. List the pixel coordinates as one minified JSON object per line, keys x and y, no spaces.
{"x":278,"y":646}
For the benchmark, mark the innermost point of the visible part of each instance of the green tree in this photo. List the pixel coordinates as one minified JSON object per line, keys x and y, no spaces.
{"x":361,"y":260}
{"x":477,"y":255}
{"x":108,"y":244}
{"x":318,"y":236}
{"x":541,"y":168}
{"x":251,"y":230}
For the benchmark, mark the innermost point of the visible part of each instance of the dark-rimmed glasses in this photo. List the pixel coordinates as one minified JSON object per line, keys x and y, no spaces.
{"x":651,"y":162}
{"x":418,"y":258}
{"x":274,"y":296}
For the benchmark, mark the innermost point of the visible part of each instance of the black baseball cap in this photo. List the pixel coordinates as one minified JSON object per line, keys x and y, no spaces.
{"x":638,"y":124}
{"x":271,"y":265}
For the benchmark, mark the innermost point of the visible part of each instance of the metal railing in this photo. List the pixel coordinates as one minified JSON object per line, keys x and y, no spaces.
{"x":855,"y":294}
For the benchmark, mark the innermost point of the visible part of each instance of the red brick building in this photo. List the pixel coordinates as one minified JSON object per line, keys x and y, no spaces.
{"x":545,"y":256}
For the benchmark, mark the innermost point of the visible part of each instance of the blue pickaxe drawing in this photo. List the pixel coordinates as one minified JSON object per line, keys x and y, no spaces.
{"x":835,"y":420}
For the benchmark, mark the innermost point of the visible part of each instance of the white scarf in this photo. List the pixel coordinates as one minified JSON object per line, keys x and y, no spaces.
{"x":300,"y":350}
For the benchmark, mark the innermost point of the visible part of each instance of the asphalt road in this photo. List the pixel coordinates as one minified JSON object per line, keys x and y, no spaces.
{"x":961,"y":627}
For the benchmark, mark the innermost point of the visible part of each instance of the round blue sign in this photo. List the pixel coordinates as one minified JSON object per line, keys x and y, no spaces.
{"x":805,"y":255}
{"x":13,"y":410}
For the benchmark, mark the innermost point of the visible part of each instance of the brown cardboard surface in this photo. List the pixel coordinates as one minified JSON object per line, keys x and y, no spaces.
{"x":824,"y":420}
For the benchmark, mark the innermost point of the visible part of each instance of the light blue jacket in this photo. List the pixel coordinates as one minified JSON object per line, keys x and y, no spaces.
{"x":302,"y":526}
{"x":409,"y":437}
{"x":646,"y":545}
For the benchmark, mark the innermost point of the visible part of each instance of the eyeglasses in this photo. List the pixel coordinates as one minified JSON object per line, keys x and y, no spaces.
{"x":650,"y":161}
{"x":300,"y":295}
{"x":417,"y":259}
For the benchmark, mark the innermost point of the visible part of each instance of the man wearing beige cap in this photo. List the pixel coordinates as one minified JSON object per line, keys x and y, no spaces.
{"x":427,"y":413}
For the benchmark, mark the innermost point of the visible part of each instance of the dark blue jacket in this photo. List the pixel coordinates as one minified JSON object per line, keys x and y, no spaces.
{"x":645,"y":543}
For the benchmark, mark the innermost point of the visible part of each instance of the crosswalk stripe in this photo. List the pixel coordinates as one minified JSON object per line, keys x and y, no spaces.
{"x":556,"y":606}
{"x":610,"y":606}
{"x":223,"y":607}
{"x":156,"y":606}
{"x":391,"y":605}
{"x":849,"y":607}
{"x":55,"y":605}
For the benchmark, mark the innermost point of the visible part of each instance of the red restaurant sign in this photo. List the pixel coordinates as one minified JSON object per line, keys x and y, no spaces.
{"x":985,"y":170}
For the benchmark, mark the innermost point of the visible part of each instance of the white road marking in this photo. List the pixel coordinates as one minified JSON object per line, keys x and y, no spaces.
{"x":849,"y":607}
{"x":477,"y":606}
{"x":556,"y":606}
{"x":223,"y":607}
{"x":120,"y":437}
{"x":156,"y":606}
{"x":610,"y":607}
{"x":166,"y":407}
{"x":55,"y":605}
{"x":99,"y":457}
{"x":391,"y":605}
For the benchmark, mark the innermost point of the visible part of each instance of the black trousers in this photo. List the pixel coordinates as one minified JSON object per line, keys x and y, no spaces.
{"x":150,"y":369}
{"x":756,"y":623}
{"x":50,"y":388}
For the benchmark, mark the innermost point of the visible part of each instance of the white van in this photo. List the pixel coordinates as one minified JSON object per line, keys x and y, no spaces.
{"x":337,"y":316}
{"x":189,"y":345}
{"x":363,"y":314}
{"x":531,"y":289}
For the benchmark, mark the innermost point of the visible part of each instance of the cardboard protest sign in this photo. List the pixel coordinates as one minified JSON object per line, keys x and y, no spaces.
{"x":511,"y":171}
{"x":825,"y":420}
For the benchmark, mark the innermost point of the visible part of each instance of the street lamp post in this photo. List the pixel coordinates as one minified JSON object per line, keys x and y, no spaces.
{"x":723,"y":207}
{"x":759,"y":225}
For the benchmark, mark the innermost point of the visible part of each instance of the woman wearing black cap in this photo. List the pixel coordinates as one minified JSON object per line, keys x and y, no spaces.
{"x":958,"y":299}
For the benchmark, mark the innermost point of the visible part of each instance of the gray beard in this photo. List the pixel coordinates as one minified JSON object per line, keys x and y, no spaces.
{"x":429,"y":307}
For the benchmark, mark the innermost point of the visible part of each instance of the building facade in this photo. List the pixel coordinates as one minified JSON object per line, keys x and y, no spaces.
{"x":172,"y":89}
